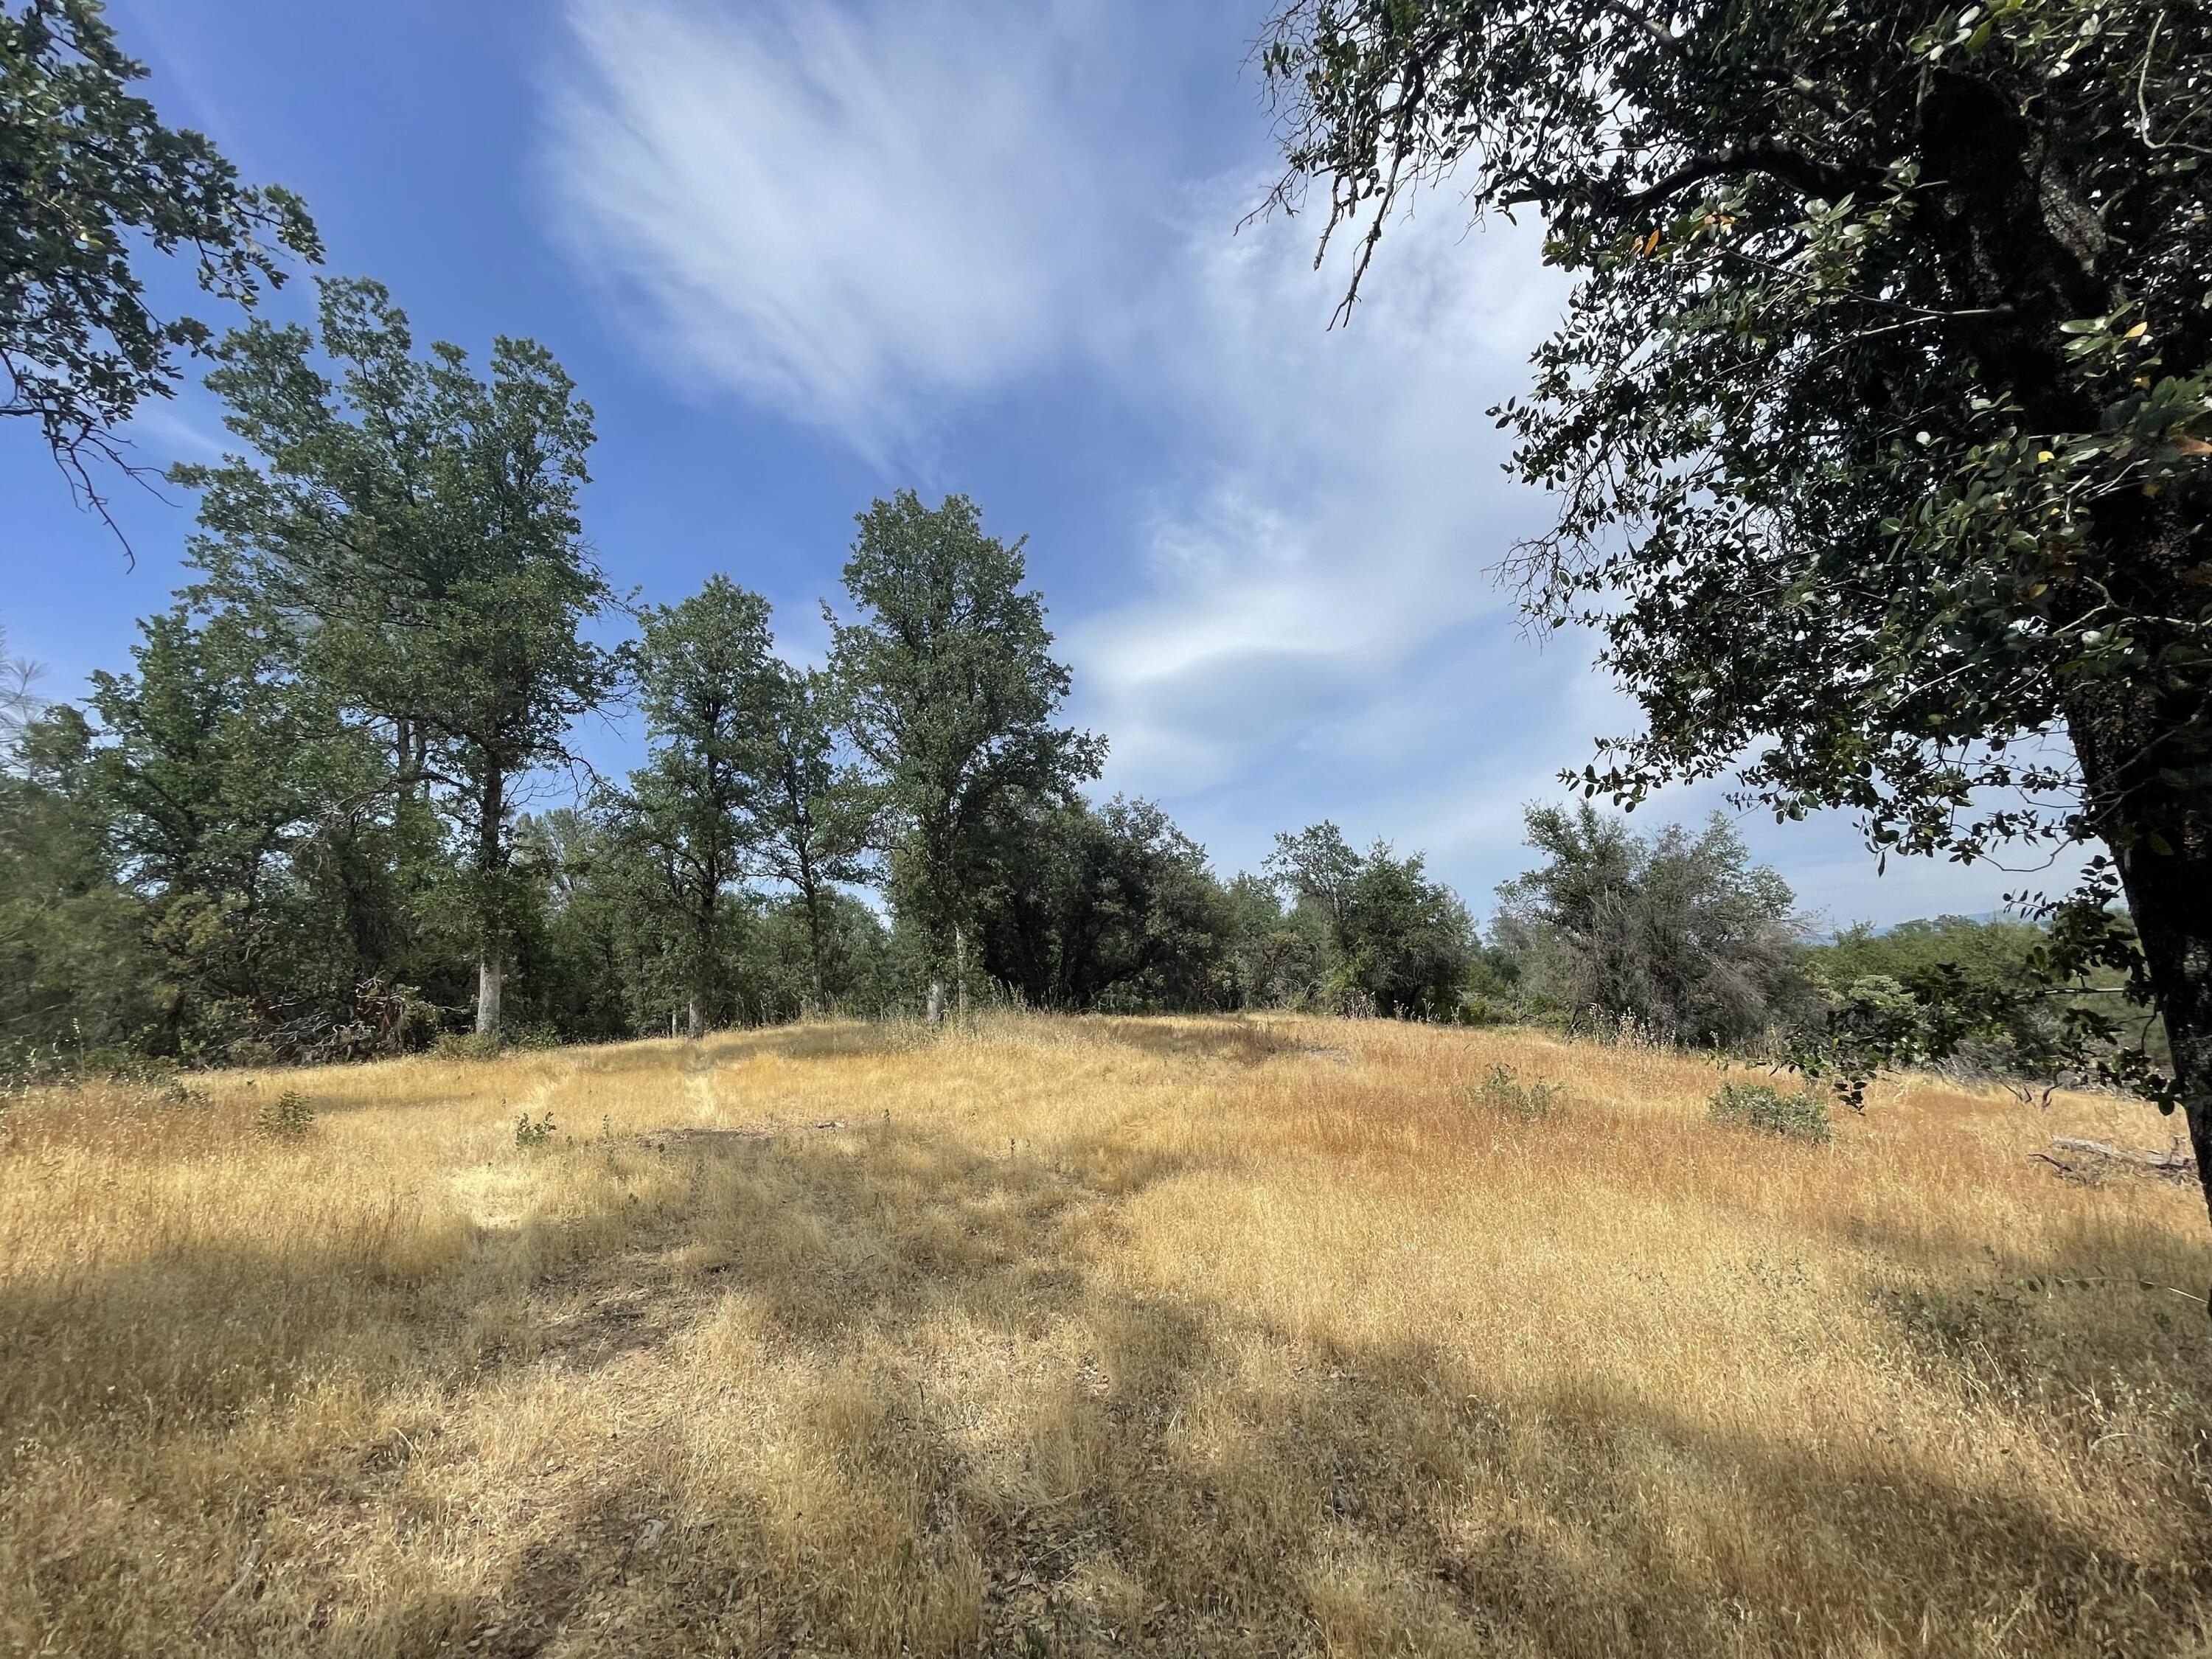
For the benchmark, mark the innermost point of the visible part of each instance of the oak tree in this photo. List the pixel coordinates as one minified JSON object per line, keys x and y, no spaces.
{"x":1880,"y":422}
{"x":708,"y":685}
{"x":949,"y":689}
{"x":415,"y":524}
{"x":90,"y":180}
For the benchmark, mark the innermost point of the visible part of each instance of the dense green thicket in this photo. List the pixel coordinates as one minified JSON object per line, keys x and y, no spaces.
{"x":1971,"y":995}
{"x":1680,"y":934}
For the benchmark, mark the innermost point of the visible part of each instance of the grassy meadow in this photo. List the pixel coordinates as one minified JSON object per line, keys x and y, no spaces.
{"x":1068,"y":1337}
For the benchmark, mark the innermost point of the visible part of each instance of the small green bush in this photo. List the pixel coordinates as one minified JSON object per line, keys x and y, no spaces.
{"x":469,"y":1045}
{"x":533,"y":1133}
{"x":1802,"y":1116}
{"x":1502,"y":1091}
{"x":285,"y":1118}
{"x":1478,"y":1010}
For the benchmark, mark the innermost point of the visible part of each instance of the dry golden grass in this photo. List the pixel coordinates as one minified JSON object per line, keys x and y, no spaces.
{"x":1074,"y":1337}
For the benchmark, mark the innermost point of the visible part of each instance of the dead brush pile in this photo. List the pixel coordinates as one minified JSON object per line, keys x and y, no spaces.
{"x":1075,"y":1337}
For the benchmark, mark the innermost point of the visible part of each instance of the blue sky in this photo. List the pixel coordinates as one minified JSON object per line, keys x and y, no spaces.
{"x":800,"y":254}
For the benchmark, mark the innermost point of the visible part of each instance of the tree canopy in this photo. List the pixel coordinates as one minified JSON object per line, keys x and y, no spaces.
{"x":414,"y":527}
{"x":89,"y":177}
{"x":707,"y":687}
{"x":1879,"y":423}
{"x":1680,"y":933}
{"x":949,"y":689}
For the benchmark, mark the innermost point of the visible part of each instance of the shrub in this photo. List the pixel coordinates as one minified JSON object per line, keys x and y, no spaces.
{"x":1479,"y":1010}
{"x":528,"y":1132}
{"x":469,"y":1045}
{"x":285,"y":1118}
{"x":1801,"y":1116}
{"x":1502,"y":1091}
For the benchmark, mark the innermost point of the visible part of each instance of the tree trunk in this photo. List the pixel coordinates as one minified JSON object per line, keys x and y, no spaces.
{"x":491,"y":963}
{"x":2169,"y":894}
{"x":2122,"y":737}
{"x":695,"y":1026}
{"x":814,"y":943}
{"x":960,"y":971}
{"x":490,"y":972}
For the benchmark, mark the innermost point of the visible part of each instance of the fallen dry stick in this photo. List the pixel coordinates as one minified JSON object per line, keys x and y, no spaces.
{"x":205,"y":1622}
{"x":2174,"y":1164}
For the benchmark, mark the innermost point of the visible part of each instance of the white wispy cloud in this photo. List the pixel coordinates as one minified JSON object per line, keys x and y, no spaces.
{"x":1346,"y":506}
{"x":849,"y":215}
{"x":861,"y":215}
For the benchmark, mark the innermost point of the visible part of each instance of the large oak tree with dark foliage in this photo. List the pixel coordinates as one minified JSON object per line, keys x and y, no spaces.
{"x":708,"y":685}
{"x":1879,"y":419}
{"x":949,"y":691}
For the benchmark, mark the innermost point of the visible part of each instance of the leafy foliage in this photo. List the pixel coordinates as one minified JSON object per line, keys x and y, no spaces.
{"x":813,"y":818}
{"x":1111,"y":906}
{"x":1976,"y":997}
{"x":287,"y":1117}
{"x":1397,"y":942}
{"x":1680,"y":933}
{"x":18,"y":702}
{"x":948,"y":688}
{"x":708,"y":685}
{"x":1406,"y":941}
{"x":1281,"y":957}
{"x":1503,"y":1091}
{"x":80,"y":977}
{"x":1880,"y":423}
{"x":89,"y":175}
{"x":1801,"y":1115}
{"x":413,"y":530}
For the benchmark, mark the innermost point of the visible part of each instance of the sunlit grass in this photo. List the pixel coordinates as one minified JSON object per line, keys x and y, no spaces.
{"x":1188,"y":1336}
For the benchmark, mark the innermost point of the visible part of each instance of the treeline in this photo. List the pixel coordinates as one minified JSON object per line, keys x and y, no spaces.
{"x":310,"y":821}
{"x":313,"y":820}
{"x":1679,"y":937}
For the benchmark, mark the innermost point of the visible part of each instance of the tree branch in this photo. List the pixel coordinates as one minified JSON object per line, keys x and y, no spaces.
{"x":1793,"y":168}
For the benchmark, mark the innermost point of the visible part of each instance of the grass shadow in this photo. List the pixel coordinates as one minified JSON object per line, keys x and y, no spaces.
{"x":1238,"y":1042}
{"x":1114,"y":1470}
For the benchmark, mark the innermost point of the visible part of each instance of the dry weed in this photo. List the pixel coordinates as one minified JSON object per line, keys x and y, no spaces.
{"x":1071,"y":1337}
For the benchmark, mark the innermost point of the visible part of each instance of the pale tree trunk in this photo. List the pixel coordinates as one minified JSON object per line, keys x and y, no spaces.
{"x":490,"y":972}
{"x":490,"y":964}
{"x":696,"y":1026}
{"x":935,"y":1005}
{"x":814,"y":943}
{"x":960,"y":972}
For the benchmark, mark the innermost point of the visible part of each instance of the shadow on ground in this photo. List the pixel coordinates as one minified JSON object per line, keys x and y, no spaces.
{"x":1115,"y":1471}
